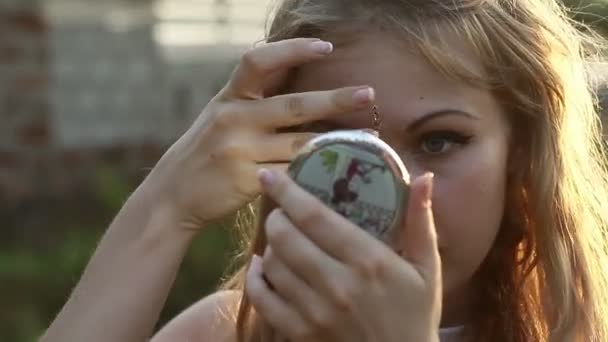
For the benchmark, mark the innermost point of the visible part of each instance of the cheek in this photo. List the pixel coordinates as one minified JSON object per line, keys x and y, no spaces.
{"x":468,"y":203}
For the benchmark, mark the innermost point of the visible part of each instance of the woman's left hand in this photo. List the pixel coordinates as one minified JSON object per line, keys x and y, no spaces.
{"x":332,"y":281}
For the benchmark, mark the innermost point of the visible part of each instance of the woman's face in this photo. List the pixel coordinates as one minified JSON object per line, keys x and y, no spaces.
{"x":436,"y":124}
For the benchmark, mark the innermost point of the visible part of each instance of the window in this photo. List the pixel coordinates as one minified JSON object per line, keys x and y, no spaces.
{"x":210,"y":22}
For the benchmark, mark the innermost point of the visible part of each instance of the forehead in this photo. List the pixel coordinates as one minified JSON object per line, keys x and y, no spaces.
{"x":406,"y":84}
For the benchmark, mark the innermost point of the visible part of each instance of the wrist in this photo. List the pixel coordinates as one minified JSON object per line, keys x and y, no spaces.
{"x":164,"y":220}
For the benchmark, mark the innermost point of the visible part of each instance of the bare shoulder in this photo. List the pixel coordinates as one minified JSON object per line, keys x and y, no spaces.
{"x":209,"y":319}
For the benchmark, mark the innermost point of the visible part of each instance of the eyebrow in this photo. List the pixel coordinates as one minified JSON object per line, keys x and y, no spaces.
{"x":436,"y":114}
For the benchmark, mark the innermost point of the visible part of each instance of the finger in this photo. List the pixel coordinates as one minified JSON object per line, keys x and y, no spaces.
{"x":246,"y":175}
{"x":294,"y":109}
{"x":256,"y":65}
{"x":296,"y":292}
{"x":420,"y":237}
{"x":344,"y":241}
{"x":269,"y":305}
{"x":306,"y":261}
{"x":275,"y":167}
{"x":281,"y":147}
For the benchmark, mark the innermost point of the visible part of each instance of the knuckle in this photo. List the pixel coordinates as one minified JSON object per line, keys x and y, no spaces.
{"x":282,"y":188}
{"x":322,"y":319}
{"x":230,"y":150}
{"x":370,"y":268}
{"x":225,"y":116}
{"x":294,"y":106}
{"x":227,"y":154}
{"x":249,"y":61}
{"x":343,"y":297}
{"x":313,"y":217}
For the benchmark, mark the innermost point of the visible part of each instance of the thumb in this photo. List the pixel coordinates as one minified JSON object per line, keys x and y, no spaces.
{"x":418,"y":237}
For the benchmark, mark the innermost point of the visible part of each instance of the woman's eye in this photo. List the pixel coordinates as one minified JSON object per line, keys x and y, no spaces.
{"x":441,"y":142}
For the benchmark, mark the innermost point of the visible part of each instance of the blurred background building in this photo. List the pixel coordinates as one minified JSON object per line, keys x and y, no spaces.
{"x":80,"y":75}
{"x":91,"y":93}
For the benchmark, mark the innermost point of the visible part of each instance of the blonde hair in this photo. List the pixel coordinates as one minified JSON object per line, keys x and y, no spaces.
{"x":545,"y":278}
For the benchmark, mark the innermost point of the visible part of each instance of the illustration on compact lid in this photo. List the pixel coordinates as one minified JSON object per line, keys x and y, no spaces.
{"x":359,"y":176}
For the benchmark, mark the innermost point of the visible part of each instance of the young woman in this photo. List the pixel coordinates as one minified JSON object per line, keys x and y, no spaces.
{"x":489,"y":105}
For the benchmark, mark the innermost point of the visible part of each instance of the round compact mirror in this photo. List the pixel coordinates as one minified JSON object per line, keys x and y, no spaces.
{"x":359,"y":176}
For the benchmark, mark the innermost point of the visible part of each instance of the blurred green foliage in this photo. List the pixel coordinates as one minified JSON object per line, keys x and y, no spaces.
{"x":35,"y":282}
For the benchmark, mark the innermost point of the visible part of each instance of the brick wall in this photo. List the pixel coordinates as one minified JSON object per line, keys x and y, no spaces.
{"x":24,"y":88}
{"x":45,"y":176}
{"x":82,"y":101}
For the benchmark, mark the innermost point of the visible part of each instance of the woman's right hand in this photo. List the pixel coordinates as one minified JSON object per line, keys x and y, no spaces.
{"x":211,"y":170}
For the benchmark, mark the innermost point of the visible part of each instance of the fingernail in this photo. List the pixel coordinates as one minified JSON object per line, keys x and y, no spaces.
{"x":256,"y":263}
{"x":322,"y":47}
{"x":266,"y":177}
{"x":364,"y":95}
{"x":428,"y":189}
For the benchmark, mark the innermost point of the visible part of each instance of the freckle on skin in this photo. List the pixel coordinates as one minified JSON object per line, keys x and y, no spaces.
{"x":421,"y":98}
